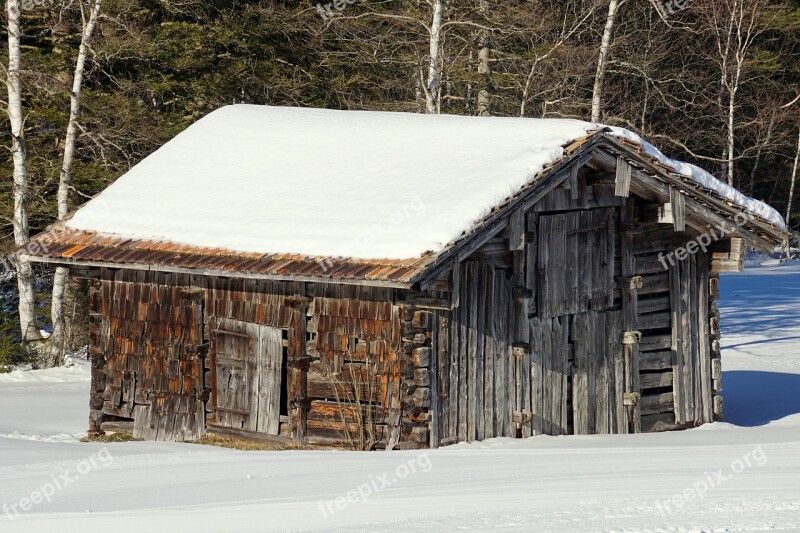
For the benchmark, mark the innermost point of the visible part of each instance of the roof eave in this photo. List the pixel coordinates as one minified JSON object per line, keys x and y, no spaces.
{"x":208,"y":272}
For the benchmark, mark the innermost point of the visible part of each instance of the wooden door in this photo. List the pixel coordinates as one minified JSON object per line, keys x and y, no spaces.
{"x":576,"y":336}
{"x":247,"y":390}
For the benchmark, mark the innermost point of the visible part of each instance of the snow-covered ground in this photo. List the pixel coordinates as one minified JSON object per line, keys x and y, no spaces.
{"x":742,"y":475}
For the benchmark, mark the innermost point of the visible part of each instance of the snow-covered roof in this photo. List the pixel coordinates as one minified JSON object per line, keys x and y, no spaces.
{"x":357,"y":184}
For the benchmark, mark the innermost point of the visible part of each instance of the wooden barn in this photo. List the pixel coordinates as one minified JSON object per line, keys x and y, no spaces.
{"x":392,"y":281}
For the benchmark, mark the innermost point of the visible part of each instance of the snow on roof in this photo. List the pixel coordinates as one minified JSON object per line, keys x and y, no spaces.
{"x":318,"y":182}
{"x":706,"y":179}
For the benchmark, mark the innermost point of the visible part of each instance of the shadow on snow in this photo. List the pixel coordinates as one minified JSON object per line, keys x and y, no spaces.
{"x":754,"y":398}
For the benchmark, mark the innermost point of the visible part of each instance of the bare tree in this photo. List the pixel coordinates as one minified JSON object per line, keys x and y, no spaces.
{"x":431,"y":86}
{"x":735,"y":25}
{"x":567,"y":31}
{"x":793,"y":180}
{"x":602,"y":60}
{"x":761,"y":147}
{"x":27,"y":303}
{"x":485,"y":67}
{"x":56,"y":346}
{"x":50,"y":352}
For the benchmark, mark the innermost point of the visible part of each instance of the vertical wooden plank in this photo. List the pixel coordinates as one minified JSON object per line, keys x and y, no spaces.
{"x":678,"y":203}
{"x":562,"y":330}
{"x":576,"y":253}
{"x":444,"y":373}
{"x":463,"y":355}
{"x":548,"y":376}
{"x":531,"y":266}
{"x":272,"y":352}
{"x":630,"y":316}
{"x":678,"y":386}
{"x":507,"y":333}
{"x":488,"y":355}
{"x":601,"y":386}
{"x":704,"y":347}
{"x":694,"y":371}
{"x":537,"y":375}
{"x":516,"y":230}
{"x":479,"y":310}
{"x":393,"y":393}
{"x":686,"y":339}
{"x":453,"y":371}
{"x":580,"y":375}
{"x":573,"y":181}
{"x":623,"y":179}
{"x":501,"y":379}
{"x":434,"y":380}
{"x":455,"y":284}
{"x":618,"y":422}
{"x":611,"y":243}
{"x":545,"y":277}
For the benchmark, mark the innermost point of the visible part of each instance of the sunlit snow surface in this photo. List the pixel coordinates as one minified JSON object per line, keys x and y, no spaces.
{"x":319,"y":182}
{"x":591,"y":483}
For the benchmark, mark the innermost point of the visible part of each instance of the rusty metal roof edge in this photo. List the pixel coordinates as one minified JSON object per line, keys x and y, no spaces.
{"x":67,"y":262}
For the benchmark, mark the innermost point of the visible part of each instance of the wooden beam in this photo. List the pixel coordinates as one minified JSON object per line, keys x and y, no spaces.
{"x":573,"y":182}
{"x":678,"y":203}
{"x":623,"y":179}
{"x":516,"y":231}
{"x":455,"y":288}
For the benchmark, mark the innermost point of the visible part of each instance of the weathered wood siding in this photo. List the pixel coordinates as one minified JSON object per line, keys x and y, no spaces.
{"x":476,"y":371}
{"x":572,"y":315}
{"x":147,"y":355}
{"x":587,"y":267}
{"x":319,"y":364}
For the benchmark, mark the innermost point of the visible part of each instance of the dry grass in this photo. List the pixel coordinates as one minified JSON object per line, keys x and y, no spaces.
{"x":211,"y":439}
{"x":119,"y":436}
{"x":223,"y":441}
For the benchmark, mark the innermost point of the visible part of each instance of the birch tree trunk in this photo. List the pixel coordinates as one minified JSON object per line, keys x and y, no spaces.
{"x":27,"y":303}
{"x":736,"y":25}
{"x":793,"y":181}
{"x":761,"y":147}
{"x":485,"y":69}
{"x":434,"y":69}
{"x":730,"y":148}
{"x":602,"y":61}
{"x":56,"y":345}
